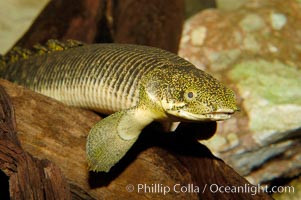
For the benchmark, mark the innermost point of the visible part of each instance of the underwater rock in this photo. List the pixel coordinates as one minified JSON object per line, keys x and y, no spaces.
{"x":255,"y":50}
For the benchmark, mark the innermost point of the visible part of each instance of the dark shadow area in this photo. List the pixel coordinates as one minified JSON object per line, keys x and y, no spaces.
{"x":183,"y":142}
{"x":280,"y":182}
{"x":4,"y":186}
{"x":103,"y":33}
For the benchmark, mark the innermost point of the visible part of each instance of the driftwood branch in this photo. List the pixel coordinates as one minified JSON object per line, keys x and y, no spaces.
{"x":50,"y":130}
{"x":154,"y":23}
{"x":29,"y":178}
{"x":65,"y":19}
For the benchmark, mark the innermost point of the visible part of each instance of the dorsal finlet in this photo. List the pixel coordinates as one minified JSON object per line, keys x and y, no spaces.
{"x":52,"y":45}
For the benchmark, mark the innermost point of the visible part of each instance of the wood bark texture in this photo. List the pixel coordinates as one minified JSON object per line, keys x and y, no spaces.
{"x":29,"y":177}
{"x":153,"y":23}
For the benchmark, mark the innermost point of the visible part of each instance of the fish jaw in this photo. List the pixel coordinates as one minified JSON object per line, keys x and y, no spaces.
{"x":184,"y":115}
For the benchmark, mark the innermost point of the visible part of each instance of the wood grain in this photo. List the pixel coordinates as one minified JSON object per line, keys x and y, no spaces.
{"x":29,"y":177}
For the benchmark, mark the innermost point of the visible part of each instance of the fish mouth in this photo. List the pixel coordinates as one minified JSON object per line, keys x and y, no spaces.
{"x":211,"y":116}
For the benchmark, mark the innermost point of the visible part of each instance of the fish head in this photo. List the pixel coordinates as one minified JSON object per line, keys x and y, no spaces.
{"x":189,"y":94}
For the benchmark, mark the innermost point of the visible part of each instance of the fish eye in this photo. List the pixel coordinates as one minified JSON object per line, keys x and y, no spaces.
{"x":190,"y":95}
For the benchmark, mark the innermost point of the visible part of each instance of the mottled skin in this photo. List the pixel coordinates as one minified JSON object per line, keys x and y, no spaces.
{"x":170,"y":89}
{"x":187,"y":93}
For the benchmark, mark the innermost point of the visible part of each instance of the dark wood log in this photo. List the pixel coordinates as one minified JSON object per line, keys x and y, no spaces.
{"x":47,"y":129}
{"x":65,"y":19}
{"x":29,"y":178}
{"x":153,"y":23}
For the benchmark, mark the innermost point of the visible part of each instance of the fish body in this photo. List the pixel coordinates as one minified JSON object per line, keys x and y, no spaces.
{"x":138,"y":84}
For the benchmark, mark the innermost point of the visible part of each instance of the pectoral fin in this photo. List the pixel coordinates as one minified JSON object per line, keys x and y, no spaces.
{"x":110,"y":139}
